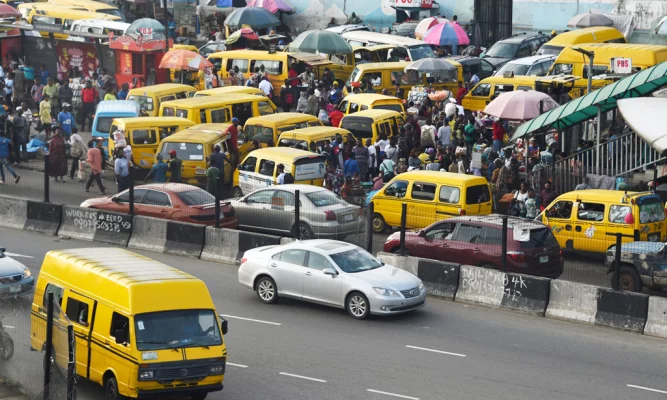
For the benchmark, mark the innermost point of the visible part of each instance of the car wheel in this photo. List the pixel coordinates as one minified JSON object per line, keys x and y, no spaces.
{"x":630,"y":280}
{"x":267,"y":290}
{"x":379,"y":225}
{"x":358,"y":306}
{"x":397,"y":251}
{"x":111,"y":389}
{"x":304,"y":232}
{"x":237,"y":192}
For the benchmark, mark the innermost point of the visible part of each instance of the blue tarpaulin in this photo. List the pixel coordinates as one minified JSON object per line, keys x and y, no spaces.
{"x":224,"y":3}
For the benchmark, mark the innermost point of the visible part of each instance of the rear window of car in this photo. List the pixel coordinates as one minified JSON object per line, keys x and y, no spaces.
{"x":477,"y":194}
{"x":539,"y":238}
{"x":324,"y":198}
{"x":196,"y":197}
{"x":185,"y":151}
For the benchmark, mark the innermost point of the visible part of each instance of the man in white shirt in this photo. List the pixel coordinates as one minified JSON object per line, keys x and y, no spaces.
{"x":266,"y":87}
{"x":372,"y":157}
{"x":445,"y":135}
{"x":474,"y":80}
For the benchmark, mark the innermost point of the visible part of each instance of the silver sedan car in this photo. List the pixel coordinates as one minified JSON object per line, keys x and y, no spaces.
{"x":332,"y":273}
{"x":322,"y":214}
{"x":15,"y":278}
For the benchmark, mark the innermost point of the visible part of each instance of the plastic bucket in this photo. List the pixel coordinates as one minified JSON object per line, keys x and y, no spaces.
{"x":29,"y":73}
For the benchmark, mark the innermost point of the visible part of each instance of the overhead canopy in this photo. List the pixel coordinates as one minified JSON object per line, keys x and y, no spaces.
{"x":586,"y":107}
{"x":647,"y":118}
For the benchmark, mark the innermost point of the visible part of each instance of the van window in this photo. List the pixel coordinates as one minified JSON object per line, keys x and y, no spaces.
{"x":220,"y":116}
{"x":272,"y":67}
{"x":120,"y":323}
{"x":242,"y":111}
{"x":169,"y":112}
{"x":143,"y":136}
{"x":249,"y":164}
{"x":146,"y":104}
{"x":167,"y":98}
{"x":57,"y":294}
{"x":167,"y":131}
{"x":264,"y":108}
{"x":500,"y":89}
{"x":423,"y":191}
{"x":562,"y":209}
{"x":449,"y":194}
{"x":482,"y":90}
{"x":597,"y":70}
{"x":406,"y":78}
{"x":342,"y":58}
{"x":559,"y":68}
{"x":77,"y":311}
{"x":181,"y":95}
{"x":619,"y":40}
{"x":397,"y":189}
{"x":186,"y":151}
{"x":375,"y":78}
{"x":354,"y":107}
{"x":242,"y":64}
{"x":617,"y":214}
{"x":390,"y":107}
{"x":477,"y":194}
{"x":266,"y":167}
{"x":590,"y":212}
{"x":309,"y":168}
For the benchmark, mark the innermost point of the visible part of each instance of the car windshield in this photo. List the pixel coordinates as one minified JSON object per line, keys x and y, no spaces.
{"x":104,"y":124}
{"x":145,"y":102}
{"x":181,"y":328}
{"x":324,"y":198}
{"x":354,"y":76}
{"x":650,"y":210}
{"x":517,"y":69}
{"x":197,"y":197}
{"x":355,"y":260}
{"x":550,"y":50}
{"x":186,"y":151}
{"x":421,"y":51}
{"x":539,"y":238}
{"x":502,"y":50}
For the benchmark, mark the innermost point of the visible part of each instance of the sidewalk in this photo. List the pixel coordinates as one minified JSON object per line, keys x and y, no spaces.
{"x":7,"y":393}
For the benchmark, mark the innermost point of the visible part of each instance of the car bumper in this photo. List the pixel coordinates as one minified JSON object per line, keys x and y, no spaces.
{"x":19,"y":288}
{"x":384,"y":305}
{"x":338,"y":231}
{"x":186,"y":391}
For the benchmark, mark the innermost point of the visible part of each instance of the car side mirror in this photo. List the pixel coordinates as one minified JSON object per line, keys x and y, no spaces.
{"x":421,"y":233}
{"x":2,"y":249}
{"x":116,"y":200}
{"x":224,"y":325}
{"x":330,"y":271}
{"x":120,"y":335}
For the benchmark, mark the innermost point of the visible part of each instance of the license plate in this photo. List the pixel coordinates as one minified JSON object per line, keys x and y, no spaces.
{"x":348,"y":217}
{"x":544,"y":259}
{"x":15,"y":288}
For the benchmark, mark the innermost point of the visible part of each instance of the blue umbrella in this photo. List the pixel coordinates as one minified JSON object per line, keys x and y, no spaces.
{"x":254,"y":17}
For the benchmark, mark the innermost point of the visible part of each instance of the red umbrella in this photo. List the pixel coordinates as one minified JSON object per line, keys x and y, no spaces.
{"x":7,"y":11}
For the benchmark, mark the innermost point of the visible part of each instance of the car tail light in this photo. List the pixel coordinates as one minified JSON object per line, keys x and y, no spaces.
{"x":228,"y":211}
{"x":243,"y":260}
{"x":517,"y":256}
{"x":462,"y":211}
{"x":330,"y":215}
{"x":360,"y":212}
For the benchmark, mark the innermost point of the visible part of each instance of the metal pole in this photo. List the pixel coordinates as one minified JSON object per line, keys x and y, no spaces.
{"x":49,"y":346}
{"x":71,"y":395}
{"x":217,"y":203}
{"x":297,"y":214}
{"x":404,"y":217}
{"x":589,"y":85}
{"x":166,"y":26}
{"x":129,"y":176}
{"x":504,"y":243}
{"x":47,"y":197}
{"x":617,"y":266}
{"x":597,"y":162}
{"x":369,"y":227}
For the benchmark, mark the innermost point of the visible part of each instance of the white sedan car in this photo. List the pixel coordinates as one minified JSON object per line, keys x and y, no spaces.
{"x":333,"y":273}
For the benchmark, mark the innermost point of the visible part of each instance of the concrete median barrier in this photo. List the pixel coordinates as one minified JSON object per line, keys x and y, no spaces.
{"x":95,"y":225}
{"x":481,"y":286}
{"x":626,"y":311}
{"x":656,"y":320}
{"x":13,"y":212}
{"x":440,"y":278}
{"x":148,"y":234}
{"x":184,"y":239}
{"x":30,"y":215}
{"x":572,"y":301}
{"x":524,"y":293}
{"x":228,"y":246}
{"x":410,"y":264}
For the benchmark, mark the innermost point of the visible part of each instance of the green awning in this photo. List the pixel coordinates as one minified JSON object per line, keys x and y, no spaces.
{"x":586,"y":107}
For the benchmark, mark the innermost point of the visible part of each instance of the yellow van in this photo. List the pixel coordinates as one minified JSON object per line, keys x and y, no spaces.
{"x":128,"y":323}
{"x":25,"y":9}
{"x":56,"y":14}
{"x":276,"y":65}
{"x":373,"y":123}
{"x":343,"y":64}
{"x":144,"y":134}
{"x":259,"y":169}
{"x":362,"y":102}
{"x":581,"y":220}
{"x":386,"y":75}
{"x":218,"y":109}
{"x":573,"y":63}
{"x":595,"y":34}
{"x":195,"y":145}
{"x":150,"y":97}
{"x":431,"y":196}
{"x":93,"y":6}
{"x":311,"y":139}
{"x":267,"y":128}
{"x":220,"y":91}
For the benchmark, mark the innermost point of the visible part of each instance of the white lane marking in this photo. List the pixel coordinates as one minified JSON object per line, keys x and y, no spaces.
{"x":392,"y":394}
{"x":237,"y":365}
{"x":436,"y":351}
{"x":648,"y":389}
{"x":18,"y":255}
{"x":10,"y":327}
{"x":251,"y":320}
{"x":303,"y":377}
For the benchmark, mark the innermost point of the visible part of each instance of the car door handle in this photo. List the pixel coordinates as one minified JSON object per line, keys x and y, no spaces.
{"x":164,"y":211}
{"x":577,"y":228}
{"x":444,"y":245}
{"x":308,"y":273}
{"x":274,"y":265}
{"x":476,"y":250}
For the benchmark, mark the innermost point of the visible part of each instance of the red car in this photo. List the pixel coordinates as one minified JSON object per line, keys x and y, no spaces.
{"x":477,"y":240}
{"x":172,"y":201}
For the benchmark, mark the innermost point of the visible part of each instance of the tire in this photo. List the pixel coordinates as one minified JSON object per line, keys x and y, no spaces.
{"x":267,"y":291}
{"x":199,"y":396}
{"x":304,"y":232}
{"x":357,"y":305}
{"x":6,"y":346}
{"x":111,"y":389}
{"x":630,"y":280}
{"x":397,"y":251}
{"x":379,"y":226}
{"x":237,"y":192}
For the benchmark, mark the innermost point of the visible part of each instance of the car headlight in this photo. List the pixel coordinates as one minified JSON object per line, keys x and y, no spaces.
{"x":26,"y":273}
{"x":420,"y":286}
{"x":217,"y":369}
{"x":145,"y":375}
{"x":386,"y":292}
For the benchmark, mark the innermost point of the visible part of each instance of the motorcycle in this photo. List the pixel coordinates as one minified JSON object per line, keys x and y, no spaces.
{"x":6,"y":343}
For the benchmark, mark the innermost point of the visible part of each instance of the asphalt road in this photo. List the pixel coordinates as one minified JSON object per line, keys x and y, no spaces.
{"x":295,"y":350}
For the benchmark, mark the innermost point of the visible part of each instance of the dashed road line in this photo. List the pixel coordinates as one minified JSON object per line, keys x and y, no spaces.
{"x":237,"y":365}
{"x":436,"y":351}
{"x":647,"y":389}
{"x":400,"y":396}
{"x":303,"y":377}
{"x":251,"y":320}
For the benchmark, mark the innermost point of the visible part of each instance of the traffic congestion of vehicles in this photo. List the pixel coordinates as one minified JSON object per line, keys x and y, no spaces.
{"x":312,"y":155}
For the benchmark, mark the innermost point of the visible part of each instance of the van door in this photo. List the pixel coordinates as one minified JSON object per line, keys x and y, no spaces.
{"x":144,"y":146}
{"x":388,"y":202}
{"x":80,"y":311}
{"x":449,"y":202}
{"x":558,"y":218}
{"x":249,"y":179}
{"x":105,"y":352}
{"x":589,"y":227}
{"x":421,"y":207}
{"x":478,"y":98}
{"x":219,"y":115}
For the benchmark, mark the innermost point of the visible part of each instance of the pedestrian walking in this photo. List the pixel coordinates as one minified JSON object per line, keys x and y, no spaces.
{"x":218,"y":160}
{"x":4,"y":159}
{"x":66,"y":120}
{"x":43,"y":75}
{"x":121,"y":169}
{"x":94,"y":159}
{"x":37,"y":92}
{"x":175,"y":167}
{"x":89,"y":96}
{"x":65,"y":94}
{"x":77,"y":150}
{"x":9,"y":89}
{"x":57,"y":156}
{"x":45,"y":114}
{"x":212,"y":177}
{"x":361,"y":157}
{"x":122,"y":93}
{"x":286,"y":96}
{"x":158,"y":171}
{"x":14,"y":132}
{"x":51,"y":90}
{"x":111,"y":93}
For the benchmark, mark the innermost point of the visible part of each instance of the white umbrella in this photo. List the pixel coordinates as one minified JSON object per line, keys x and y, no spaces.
{"x":661,"y":28}
{"x":652,"y":129}
{"x":589,"y":19}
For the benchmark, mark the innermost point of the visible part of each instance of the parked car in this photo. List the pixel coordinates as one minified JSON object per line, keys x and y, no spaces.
{"x":472,"y":66}
{"x":333,"y":273}
{"x":322,"y":214}
{"x":642,"y":264}
{"x":172,"y":201}
{"x":15,"y":278}
{"x":528,"y":66}
{"x":516,"y":46}
{"x":211,"y":47}
{"x":477,"y":240}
